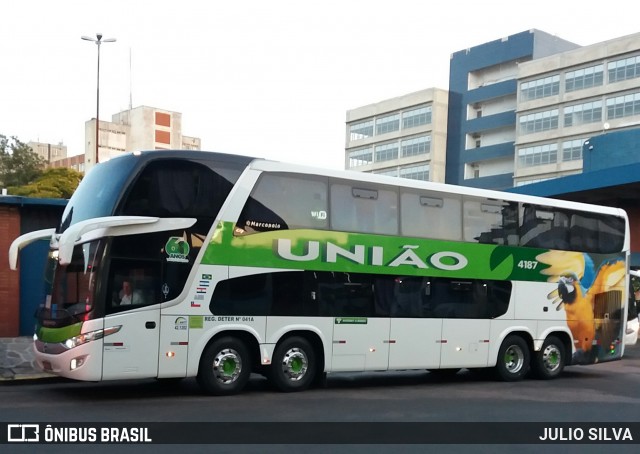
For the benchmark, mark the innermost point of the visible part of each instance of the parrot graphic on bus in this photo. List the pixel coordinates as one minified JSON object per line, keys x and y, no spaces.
{"x":578,"y":284}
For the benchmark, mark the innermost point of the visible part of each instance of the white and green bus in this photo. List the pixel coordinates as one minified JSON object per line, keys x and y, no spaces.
{"x":233,"y":265}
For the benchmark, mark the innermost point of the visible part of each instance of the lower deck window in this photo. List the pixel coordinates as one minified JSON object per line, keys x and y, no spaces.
{"x":326,"y":294}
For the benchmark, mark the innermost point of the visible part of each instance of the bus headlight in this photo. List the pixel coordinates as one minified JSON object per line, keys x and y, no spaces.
{"x":90,"y":336}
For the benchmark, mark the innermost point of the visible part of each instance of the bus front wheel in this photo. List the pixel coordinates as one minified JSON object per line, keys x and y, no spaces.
{"x":549,"y":362}
{"x":513,"y":359}
{"x":294,"y":365}
{"x":225,"y":367}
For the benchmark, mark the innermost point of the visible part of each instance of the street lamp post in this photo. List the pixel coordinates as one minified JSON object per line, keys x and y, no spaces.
{"x":98,"y":40}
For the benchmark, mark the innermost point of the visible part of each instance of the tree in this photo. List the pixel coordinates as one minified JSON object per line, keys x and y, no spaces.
{"x":58,"y":183}
{"x":19,"y":165}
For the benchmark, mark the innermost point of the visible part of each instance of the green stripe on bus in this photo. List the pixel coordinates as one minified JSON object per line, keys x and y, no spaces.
{"x":55,"y":335}
{"x":319,"y":250}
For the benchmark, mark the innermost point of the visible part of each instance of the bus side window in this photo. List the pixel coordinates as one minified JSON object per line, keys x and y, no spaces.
{"x":246,"y":295}
{"x":410,"y":297}
{"x":132,"y":284}
{"x":364,"y":209}
{"x":430,"y":215}
{"x":283,"y":201}
{"x":346,"y":295}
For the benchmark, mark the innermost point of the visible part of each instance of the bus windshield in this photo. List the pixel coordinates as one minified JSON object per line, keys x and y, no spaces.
{"x":99,"y":191}
{"x":70,"y":289}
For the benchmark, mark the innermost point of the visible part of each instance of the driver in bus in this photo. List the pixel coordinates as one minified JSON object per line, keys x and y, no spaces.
{"x":128,"y":296}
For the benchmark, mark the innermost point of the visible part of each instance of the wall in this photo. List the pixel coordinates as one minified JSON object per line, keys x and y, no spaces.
{"x":9,"y":280}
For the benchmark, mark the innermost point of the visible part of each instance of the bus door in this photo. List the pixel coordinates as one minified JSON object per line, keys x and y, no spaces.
{"x":414,"y":336}
{"x":360,"y":335}
{"x":133,"y":305}
{"x":131,"y":352}
{"x":466,"y":324}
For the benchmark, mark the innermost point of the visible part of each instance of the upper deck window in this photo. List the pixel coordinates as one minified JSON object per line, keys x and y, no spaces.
{"x":282,"y":201}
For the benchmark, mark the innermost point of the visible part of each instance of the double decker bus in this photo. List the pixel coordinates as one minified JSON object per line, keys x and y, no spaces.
{"x":174,"y":264}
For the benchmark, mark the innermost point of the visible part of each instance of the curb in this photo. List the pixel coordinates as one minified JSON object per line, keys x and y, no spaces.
{"x":19,"y":377}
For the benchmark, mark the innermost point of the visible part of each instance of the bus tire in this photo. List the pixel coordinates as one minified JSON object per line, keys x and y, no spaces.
{"x":549,"y":362}
{"x":513,"y":359}
{"x":294,"y":365}
{"x":225,"y":367}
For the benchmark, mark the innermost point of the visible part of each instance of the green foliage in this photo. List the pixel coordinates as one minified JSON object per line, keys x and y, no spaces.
{"x":19,"y":165}
{"x":57,"y":183}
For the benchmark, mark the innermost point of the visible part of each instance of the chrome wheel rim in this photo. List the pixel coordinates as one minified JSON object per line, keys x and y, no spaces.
{"x":294,"y":364}
{"x":514,"y":359}
{"x":227,"y":366}
{"x":551,"y":358}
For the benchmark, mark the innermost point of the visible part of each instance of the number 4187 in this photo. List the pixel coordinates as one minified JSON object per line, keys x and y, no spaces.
{"x":527,"y":264}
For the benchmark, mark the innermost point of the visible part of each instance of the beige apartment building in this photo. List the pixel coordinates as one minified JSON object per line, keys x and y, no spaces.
{"x":138,"y":129}
{"x":402,"y":137}
{"x":48,"y":151}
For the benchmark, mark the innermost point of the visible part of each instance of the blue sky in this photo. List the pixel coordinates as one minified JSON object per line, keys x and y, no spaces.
{"x":272,"y":79}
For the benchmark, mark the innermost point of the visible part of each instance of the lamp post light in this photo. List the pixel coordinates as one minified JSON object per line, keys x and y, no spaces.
{"x":98,"y":40}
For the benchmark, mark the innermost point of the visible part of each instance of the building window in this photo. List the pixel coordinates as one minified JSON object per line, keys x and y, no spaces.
{"x":623,"y":106}
{"x":540,"y":88}
{"x":590,"y":112}
{"x":583,"y":78}
{"x":627,"y":68}
{"x":539,"y":121}
{"x":538,"y":155}
{"x":163,"y":137}
{"x":387,"y":172}
{"x":387,"y":124}
{"x":361,"y":130}
{"x":416,"y":146}
{"x":163,"y":119}
{"x":416,"y":117}
{"x":360,"y":157}
{"x":386,"y":152}
{"x":420,"y":172}
{"x":572,"y":150}
{"x":538,"y":180}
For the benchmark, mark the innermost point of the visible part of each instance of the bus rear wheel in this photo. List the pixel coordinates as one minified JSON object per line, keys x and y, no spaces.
{"x":294,"y":365}
{"x":513,"y":359}
{"x":549,"y":362}
{"x":225,"y":367}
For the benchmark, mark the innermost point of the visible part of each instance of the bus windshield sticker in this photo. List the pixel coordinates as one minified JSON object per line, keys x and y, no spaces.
{"x":177,"y":250}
